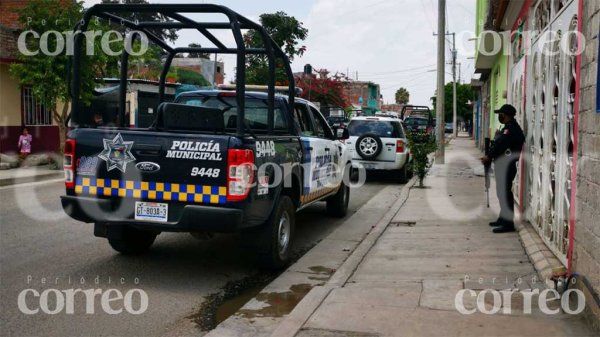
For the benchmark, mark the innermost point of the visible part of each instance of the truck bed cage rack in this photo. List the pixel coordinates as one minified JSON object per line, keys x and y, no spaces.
{"x":176,"y":20}
{"x":416,"y":109}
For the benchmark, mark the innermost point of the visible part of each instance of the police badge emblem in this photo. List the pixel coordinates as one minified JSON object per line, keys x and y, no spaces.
{"x":117,"y":153}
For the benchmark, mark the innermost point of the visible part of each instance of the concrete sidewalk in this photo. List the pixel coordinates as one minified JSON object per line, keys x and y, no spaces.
{"x":28,"y":174}
{"x":403,"y":279}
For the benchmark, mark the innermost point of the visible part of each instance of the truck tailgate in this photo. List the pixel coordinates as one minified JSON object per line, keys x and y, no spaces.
{"x":154,"y":166}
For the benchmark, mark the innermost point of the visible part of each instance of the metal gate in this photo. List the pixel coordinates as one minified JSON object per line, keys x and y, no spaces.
{"x":550,"y":96}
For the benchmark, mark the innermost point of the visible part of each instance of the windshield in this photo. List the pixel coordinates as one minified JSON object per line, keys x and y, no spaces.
{"x":379,"y":128}
{"x":416,"y":121}
{"x":256,"y":112}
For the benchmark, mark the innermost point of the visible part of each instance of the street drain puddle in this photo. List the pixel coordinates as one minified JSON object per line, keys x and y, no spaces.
{"x":232,"y":305}
{"x":278,"y":304}
{"x":219,"y":306}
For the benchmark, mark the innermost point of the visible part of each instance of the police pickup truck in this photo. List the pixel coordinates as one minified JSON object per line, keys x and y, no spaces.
{"x":213,"y":161}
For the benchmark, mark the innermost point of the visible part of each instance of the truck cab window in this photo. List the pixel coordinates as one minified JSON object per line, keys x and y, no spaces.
{"x":322,"y":128}
{"x":302,"y":120}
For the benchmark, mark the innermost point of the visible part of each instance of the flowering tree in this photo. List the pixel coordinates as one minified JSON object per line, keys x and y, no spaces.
{"x":326,"y":91}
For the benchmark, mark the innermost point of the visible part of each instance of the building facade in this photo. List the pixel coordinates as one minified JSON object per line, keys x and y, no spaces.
{"x":586,"y":240}
{"x":546,"y":67}
{"x":212,"y":71}
{"x":363,"y":95}
{"x":18,"y":107}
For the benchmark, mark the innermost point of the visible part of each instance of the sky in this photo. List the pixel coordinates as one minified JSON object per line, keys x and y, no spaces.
{"x":389,"y":42}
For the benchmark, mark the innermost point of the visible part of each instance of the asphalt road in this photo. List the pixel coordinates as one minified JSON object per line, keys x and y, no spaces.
{"x":44,"y":250}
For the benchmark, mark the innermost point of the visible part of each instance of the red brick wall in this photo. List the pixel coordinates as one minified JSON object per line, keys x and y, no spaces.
{"x":8,"y":16}
{"x":8,"y":44}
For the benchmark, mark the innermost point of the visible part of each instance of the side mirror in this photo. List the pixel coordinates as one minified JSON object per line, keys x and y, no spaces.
{"x":341,"y":133}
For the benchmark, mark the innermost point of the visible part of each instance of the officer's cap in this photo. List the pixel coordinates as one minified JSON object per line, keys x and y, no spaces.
{"x":507,"y":109}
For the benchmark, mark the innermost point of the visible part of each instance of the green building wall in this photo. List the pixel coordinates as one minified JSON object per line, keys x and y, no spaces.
{"x":498,"y":88}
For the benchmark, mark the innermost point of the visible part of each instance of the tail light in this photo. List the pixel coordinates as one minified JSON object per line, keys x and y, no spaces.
{"x":69,"y":163}
{"x":429,"y":129}
{"x":399,"y":146}
{"x":240,"y":174}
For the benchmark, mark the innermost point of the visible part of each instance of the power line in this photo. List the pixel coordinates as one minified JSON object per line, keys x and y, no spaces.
{"x":426,"y":15}
{"x":397,"y":71}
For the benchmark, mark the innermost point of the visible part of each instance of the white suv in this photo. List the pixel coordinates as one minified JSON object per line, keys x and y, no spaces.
{"x":379,"y":143}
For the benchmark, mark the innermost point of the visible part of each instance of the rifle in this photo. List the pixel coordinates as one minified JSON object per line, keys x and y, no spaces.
{"x":486,"y":170}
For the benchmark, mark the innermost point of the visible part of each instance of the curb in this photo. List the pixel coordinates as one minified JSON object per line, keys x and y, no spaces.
{"x":307,"y":306}
{"x":32,"y":178}
{"x":541,"y":257}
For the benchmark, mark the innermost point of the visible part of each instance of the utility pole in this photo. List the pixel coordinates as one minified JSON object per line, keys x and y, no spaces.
{"x":454,"y":103}
{"x":454,"y":108}
{"x":441,"y":73}
{"x":215,"y":71}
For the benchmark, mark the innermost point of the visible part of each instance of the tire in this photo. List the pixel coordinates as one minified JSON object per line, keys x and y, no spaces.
{"x":337,"y":205}
{"x":409,"y":168}
{"x":368,"y":146}
{"x":403,"y":174}
{"x":274,"y":240}
{"x":132,"y":241}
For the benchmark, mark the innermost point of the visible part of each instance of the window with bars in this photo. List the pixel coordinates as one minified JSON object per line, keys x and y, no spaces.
{"x":34,"y":113}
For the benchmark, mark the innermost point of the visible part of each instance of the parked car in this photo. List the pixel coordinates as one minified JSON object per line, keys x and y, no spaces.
{"x":417,"y":118}
{"x":448,"y":128}
{"x":379,"y":143}
{"x":418,"y":124}
{"x":338,"y":122}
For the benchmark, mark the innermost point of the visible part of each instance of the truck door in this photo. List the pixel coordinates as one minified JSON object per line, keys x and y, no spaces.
{"x":331,"y":161}
{"x":311,"y":150}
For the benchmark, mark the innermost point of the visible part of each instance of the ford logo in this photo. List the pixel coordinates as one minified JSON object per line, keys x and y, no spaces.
{"x":148,"y":167}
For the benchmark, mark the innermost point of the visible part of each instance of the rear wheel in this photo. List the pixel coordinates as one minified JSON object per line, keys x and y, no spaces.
{"x":403,"y":174}
{"x":132,"y":241}
{"x":274,"y":240}
{"x":337,"y":205}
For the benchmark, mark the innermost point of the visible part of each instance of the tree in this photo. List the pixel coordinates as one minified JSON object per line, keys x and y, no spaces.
{"x":197,"y":55}
{"x":421,"y":145}
{"x":165,"y":34}
{"x":327,"y":91}
{"x":464,"y":94}
{"x":402,"y":96}
{"x":287,"y":32}
{"x":191,"y":77}
{"x":48,"y":76}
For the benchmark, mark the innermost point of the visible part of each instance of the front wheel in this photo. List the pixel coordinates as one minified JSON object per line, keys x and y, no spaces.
{"x":274,"y":240}
{"x":132,"y":241}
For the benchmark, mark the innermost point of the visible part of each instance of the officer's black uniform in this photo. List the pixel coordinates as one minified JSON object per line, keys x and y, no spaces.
{"x":505,"y":153}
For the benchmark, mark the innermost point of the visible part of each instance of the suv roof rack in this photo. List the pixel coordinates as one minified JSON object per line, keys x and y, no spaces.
{"x":121,"y":13}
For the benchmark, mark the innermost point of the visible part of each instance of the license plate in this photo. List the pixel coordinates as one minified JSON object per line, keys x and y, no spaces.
{"x":421,"y":127}
{"x":369,"y":166}
{"x":151,"y":211}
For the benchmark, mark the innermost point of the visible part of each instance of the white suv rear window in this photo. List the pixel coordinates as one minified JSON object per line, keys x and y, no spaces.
{"x":384,"y":129}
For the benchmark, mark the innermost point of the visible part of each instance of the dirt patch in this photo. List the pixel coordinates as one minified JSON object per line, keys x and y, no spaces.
{"x":322,"y":270}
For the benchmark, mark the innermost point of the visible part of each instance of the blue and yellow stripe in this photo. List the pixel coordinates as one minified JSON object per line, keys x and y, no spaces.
{"x":150,"y":190}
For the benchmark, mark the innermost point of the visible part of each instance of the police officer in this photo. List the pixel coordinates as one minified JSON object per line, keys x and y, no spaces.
{"x":505,"y":153}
